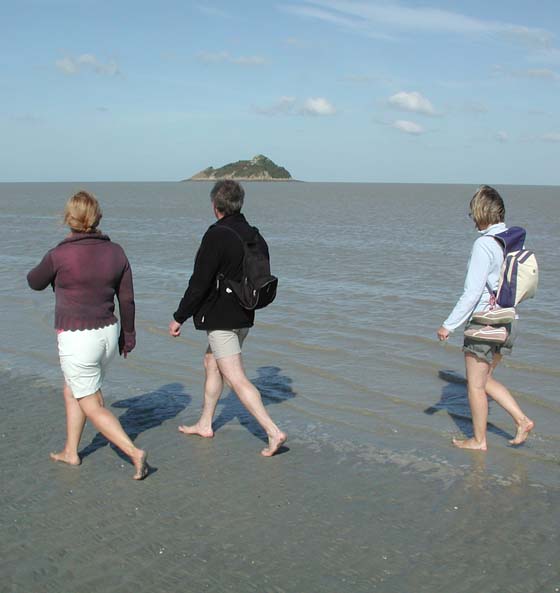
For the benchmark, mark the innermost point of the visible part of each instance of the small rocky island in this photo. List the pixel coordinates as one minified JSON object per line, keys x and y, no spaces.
{"x":259,"y":168}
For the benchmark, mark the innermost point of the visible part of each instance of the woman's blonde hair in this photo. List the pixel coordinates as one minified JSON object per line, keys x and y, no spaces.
{"x":487,"y":207}
{"x":82,"y":213}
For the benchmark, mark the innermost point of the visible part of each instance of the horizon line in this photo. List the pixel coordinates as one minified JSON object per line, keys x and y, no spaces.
{"x":198,"y":181}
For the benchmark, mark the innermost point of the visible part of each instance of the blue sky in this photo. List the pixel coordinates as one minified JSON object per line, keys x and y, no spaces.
{"x":334,"y":90}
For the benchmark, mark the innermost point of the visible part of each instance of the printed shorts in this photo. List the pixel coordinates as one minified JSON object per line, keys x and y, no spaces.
{"x":222,"y":343}
{"x":486,"y":350}
{"x":85,"y":355}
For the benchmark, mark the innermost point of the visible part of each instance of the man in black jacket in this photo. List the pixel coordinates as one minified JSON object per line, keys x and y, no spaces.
{"x":216,"y":309}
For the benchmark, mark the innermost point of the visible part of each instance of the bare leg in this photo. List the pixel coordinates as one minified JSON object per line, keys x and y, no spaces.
{"x":75,"y":422}
{"x":477,"y":373}
{"x":213,"y":386}
{"x":231,"y":368}
{"x":109,"y":426}
{"x":499,"y":393}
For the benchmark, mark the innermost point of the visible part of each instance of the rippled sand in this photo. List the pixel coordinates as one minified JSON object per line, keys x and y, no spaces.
{"x":215,"y":516}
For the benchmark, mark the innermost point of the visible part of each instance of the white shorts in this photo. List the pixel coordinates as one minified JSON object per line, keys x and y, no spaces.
{"x":226,"y":342}
{"x":84,"y":356}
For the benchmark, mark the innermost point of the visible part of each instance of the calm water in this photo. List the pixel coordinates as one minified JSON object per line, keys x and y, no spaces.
{"x":371,"y":495}
{"x":367,"y":273}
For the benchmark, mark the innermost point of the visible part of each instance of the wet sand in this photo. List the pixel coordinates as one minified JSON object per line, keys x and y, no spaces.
{"x":371,"y":495}
{"x":216,"y":516}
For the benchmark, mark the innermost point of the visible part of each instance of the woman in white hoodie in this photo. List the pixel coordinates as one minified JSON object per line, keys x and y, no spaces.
{"x":484,"y":353}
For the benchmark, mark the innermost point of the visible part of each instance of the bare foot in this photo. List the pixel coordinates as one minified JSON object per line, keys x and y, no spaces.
{"x":274,"y":443}
{"x":66,"y":458}
{"x":470,"y":444}
{"x":139,"y":461}
{"x":207,"y":433}
{"x":523,"y":429}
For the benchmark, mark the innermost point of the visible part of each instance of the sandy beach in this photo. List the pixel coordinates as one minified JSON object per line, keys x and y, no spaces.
{"x":215,"y":516}
{"x":369,"y":494}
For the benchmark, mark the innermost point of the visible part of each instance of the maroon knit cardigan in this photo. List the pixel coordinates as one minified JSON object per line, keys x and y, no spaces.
{"x":86,"y":271}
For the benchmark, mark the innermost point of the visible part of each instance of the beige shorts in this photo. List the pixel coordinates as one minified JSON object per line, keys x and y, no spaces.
{"x":226,"y":342}
{"x":84,"y":356}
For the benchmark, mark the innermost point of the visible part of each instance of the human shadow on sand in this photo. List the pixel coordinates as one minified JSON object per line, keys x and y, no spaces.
{"x":454,"y":400}
{"x":143,"y":412}
{"x":274,"y":387}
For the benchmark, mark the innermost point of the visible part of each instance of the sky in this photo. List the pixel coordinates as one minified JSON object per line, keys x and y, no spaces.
{"x":434,"y":91}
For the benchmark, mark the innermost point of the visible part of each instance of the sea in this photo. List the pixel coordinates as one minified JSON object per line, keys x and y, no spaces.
{"x":346,"y":358}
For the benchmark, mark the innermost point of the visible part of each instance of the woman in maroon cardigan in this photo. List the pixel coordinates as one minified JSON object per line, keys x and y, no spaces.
{"x":86,"y":271}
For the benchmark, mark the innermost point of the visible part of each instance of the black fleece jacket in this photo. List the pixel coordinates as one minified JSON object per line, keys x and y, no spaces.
{"x":207,"y":300}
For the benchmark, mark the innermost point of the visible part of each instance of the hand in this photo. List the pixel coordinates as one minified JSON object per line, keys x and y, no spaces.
{"x":124,"y":349}
{"x":174,"y":329}
{"x":442,"y":334}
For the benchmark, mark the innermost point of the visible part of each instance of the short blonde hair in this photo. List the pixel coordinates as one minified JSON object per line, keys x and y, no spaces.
{"x":82,"y":213}
{"x":487,"y":207}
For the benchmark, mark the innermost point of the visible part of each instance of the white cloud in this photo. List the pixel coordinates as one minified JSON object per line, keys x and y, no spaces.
{"x":413,"y":101}
{"x":225,"y":57}
{"x":290,"y":106}
{"x":335,"y":18}
{"x":72,"y":66}
{"x":67,"y":65}
{"x":323,"y":15}
{"x":551,"y":137}
{"x":211,"y":57}
{"x":318,"y":106}
{"x":375,"y":18}
{"x":409,"y":127}
{"x":502,"y":137}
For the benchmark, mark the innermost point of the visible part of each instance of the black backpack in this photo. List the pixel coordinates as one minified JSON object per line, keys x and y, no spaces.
{"x":257,"y":288}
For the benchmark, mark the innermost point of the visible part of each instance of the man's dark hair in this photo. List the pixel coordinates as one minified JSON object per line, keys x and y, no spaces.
{"x":227,"y":196}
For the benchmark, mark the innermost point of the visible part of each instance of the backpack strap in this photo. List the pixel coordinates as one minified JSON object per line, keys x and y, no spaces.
{"x":225,"y":226}
{"x":220,"y":277}
{"x":493,"y":296}
{"x":512,"y":239}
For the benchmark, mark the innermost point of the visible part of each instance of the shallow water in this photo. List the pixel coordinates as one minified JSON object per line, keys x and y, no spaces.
{"x":348,"y":363}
